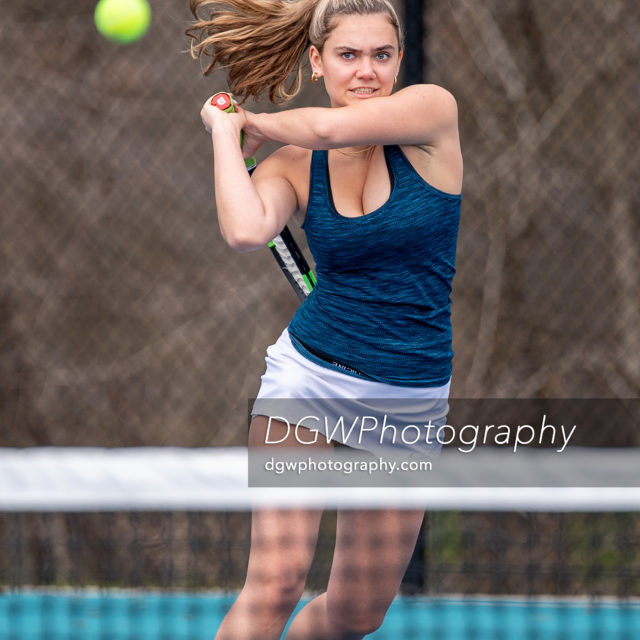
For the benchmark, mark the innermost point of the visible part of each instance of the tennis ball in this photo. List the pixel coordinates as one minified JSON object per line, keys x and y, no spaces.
{"x":122,"y":21}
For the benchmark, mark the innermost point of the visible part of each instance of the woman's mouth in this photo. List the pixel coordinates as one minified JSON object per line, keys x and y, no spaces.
{"x":363,"y":91}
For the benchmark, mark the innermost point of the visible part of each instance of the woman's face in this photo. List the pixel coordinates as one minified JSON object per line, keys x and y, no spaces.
{"x":360,"y":59}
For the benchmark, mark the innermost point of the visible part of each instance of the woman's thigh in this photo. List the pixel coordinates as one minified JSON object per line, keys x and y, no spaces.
{"x":283,"y":541}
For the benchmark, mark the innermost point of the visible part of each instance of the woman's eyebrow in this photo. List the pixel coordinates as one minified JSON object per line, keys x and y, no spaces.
{"x":384,"y":47}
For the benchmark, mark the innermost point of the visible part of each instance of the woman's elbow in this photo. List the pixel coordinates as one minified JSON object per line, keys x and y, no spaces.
{"x":242,"y":242}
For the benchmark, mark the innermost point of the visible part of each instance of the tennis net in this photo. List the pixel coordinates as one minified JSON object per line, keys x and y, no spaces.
{"x":153,"y":544}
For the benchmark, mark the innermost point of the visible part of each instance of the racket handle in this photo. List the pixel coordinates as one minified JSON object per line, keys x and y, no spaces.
{"x":224,"y":102}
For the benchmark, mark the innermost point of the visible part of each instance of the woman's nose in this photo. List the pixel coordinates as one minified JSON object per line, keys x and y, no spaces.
{"x":365,"y":68}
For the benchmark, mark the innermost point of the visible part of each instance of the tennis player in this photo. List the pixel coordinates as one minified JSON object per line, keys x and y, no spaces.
{"x":375,"y":180}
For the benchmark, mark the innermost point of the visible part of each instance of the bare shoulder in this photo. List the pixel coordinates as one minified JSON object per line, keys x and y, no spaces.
{"x":439,"y":162}
{"x":430,"y":92}
{"x":432,"y":98}
{"x":284,"y":162}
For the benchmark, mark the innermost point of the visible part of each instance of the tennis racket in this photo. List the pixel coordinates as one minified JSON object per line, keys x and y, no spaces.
{"x":283,"y":247}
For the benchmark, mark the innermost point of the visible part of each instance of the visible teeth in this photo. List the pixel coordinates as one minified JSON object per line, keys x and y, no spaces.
{"x":363,"y":90}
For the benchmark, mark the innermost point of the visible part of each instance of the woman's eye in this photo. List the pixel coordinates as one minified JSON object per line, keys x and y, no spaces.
{"x":347,"y":55}
{"x":383,"y":56}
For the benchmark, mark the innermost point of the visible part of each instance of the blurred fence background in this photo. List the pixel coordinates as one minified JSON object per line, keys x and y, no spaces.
{"x":126,"y":320}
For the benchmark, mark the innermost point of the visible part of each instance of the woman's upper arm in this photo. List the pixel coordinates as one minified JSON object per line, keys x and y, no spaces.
{"x":419,"y":115}
{"x":276,"y":192}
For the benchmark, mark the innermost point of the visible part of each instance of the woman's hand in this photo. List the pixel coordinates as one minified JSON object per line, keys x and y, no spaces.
{"x":218,"y":122}
{"x":253,"y":139}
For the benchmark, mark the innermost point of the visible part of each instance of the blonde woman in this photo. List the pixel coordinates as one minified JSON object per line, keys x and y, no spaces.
{"x":375,"y":181}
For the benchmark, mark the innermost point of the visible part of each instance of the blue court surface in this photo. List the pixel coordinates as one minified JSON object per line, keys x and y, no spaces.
{"x":132,"y":615}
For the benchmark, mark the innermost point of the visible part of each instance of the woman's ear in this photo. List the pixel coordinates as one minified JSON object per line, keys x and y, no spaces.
{"x":316,"y":61}
{"x":400,"y":54}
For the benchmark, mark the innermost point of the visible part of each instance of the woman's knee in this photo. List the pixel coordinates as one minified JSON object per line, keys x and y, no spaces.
{"x":353,"y":620}
{"x":280,"y":590}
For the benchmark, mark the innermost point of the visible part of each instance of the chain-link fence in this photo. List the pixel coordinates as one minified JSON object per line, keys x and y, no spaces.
{"x":126,"y":320}
{"x":486,"y":553}
{"x":547,"y":297}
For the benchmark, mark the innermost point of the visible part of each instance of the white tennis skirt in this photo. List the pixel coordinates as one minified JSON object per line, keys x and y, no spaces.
{"x":356,"y":412}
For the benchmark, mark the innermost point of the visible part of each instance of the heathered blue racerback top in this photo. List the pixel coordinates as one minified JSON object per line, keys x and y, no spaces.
{"x":381,"y":305}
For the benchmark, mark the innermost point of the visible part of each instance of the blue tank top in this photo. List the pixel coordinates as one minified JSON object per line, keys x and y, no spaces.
{"x":381,"y":305}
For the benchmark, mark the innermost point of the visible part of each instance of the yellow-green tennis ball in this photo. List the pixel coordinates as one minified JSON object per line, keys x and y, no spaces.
{"x":122,"y":21}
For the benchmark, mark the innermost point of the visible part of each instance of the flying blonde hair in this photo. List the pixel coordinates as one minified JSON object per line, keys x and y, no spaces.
{"x":261,"y":43}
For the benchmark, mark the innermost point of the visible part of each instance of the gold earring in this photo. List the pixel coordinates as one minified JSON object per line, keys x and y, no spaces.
{"x":395,"y":80}
{"x":314,"y":77}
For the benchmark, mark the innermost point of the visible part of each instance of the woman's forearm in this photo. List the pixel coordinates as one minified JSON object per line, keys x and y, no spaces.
{"x":305,"y":127}
{"x":240,"y":210}
{"x":419,"y":115}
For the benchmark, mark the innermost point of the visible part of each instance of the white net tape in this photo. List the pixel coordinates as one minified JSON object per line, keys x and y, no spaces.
{"x":166,"y":479}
